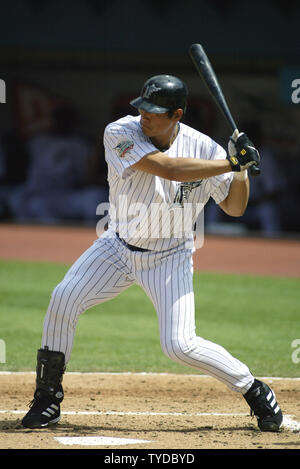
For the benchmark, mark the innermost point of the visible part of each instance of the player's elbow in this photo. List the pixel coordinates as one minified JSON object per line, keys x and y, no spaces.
{"x":235,"y":210}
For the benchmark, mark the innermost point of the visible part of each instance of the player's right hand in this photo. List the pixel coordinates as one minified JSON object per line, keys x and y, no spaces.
{"x":242,"y":152}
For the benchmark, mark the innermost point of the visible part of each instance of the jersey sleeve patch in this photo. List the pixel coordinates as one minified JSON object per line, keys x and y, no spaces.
{"x":124,"y":147}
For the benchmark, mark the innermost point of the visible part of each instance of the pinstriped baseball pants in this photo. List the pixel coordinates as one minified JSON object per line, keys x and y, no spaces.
{"x":106,"y":269}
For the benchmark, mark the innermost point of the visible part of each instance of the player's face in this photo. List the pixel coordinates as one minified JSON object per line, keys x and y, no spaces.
{"x":158,"y":125}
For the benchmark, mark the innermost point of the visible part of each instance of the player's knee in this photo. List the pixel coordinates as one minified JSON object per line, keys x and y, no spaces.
{"x":177,"y":350}
{"x":65,"y":297}
{"x":60,"y":292}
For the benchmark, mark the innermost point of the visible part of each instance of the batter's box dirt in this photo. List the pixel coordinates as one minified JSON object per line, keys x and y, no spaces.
{"x":166,"y":411}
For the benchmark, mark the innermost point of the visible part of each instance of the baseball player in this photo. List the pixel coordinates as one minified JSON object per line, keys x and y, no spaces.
{"x":159,"y":170}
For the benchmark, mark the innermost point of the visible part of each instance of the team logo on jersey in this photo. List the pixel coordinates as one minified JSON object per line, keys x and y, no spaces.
{"x":124,"y":147}
{"x":183,"y":192}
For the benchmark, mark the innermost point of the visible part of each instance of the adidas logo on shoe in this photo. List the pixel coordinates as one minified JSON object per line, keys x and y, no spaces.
{"x":273,"y":403}
{"x":51,"y":410}
{"x":44,"y":410}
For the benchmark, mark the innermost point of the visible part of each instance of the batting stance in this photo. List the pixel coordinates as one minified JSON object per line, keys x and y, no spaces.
{"x":158,"y":167}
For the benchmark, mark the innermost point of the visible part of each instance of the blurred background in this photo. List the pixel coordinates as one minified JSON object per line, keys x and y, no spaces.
{"x":68,"y":68}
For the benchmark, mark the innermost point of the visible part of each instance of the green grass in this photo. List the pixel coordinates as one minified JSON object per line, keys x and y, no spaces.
{"x":254,"y":318}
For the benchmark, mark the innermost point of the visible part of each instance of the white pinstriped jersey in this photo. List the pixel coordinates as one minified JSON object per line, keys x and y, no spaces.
{"x":142,"y":207}
{"x":108,"y":267}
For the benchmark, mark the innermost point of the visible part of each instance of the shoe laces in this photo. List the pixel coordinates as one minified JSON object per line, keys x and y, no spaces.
{"x":260,"y":407}
{"x":39,"y":399}
{"x":31,"y":403}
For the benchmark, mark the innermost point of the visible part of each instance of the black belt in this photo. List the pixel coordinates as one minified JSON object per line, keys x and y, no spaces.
{"x":130,"y":246}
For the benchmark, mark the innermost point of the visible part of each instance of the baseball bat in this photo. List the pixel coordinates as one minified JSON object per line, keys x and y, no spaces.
{"x":206,"y":71}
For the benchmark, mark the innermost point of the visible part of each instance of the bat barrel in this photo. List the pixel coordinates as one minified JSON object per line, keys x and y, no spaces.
{"x":206,"y":71}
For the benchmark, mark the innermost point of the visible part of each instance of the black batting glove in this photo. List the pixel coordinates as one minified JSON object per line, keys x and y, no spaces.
{"x":242,"y":152}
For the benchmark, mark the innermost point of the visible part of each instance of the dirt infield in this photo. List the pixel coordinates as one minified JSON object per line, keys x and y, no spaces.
{"x":161,"y":409}
{"x":218,"y":254}
{"x":168,"y":411}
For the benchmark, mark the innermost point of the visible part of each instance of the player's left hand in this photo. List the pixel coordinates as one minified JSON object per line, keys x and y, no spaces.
{"x":242,"y":152}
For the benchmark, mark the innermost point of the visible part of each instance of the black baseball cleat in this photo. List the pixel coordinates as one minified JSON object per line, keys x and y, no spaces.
{"x":262,"y":401}
{"x":44,"y":410}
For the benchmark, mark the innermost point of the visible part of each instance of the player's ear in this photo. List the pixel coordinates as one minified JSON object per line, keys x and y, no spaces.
{"x":178,"y":114}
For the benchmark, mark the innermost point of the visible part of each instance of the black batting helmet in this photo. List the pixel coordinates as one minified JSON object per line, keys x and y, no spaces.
{"x":162,"y":93}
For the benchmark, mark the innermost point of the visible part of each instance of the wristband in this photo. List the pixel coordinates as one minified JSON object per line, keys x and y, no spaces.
{"x":241,"y":176}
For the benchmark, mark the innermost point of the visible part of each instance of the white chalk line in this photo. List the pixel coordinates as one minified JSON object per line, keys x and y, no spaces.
{"x":141,"y":373}
{"x":98,"y":441}
{"x":130,"y":413}
{"x":288,"y":420}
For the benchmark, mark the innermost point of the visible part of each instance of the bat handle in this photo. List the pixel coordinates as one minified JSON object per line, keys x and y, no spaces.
{"x":254,"y":170}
